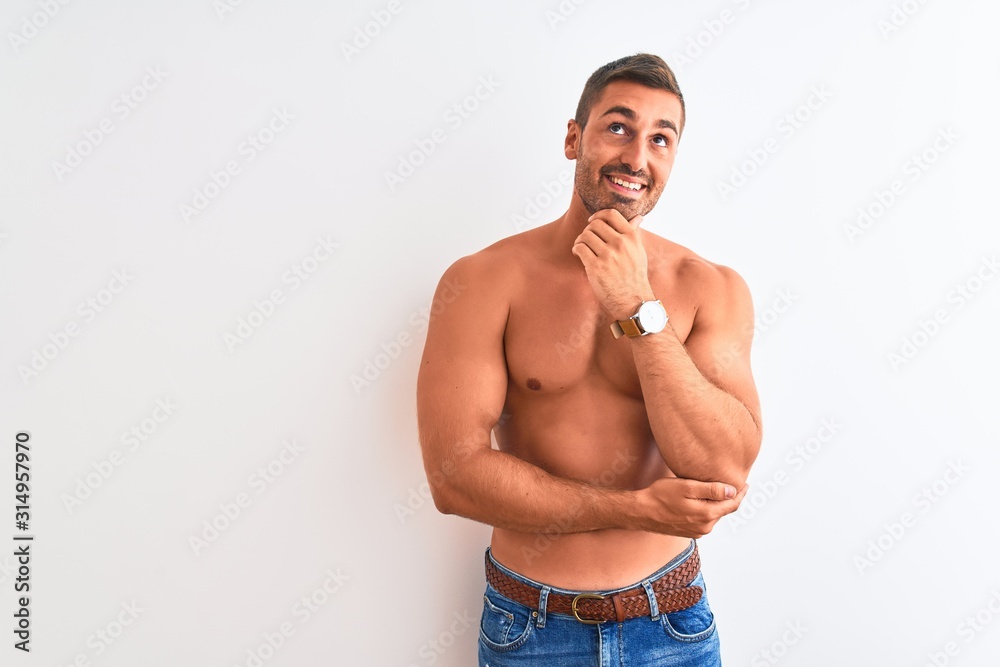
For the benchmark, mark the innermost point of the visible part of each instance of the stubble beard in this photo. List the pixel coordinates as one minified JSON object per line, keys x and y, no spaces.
{"x":589,"y":184}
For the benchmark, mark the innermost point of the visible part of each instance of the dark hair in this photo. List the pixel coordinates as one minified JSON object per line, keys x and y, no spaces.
{"x":644,"y":68}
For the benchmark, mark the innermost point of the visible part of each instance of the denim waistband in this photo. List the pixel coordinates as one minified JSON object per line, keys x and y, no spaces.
{"x":673,"y":563}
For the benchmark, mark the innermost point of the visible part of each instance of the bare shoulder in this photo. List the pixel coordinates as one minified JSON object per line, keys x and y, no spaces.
{"x":499,"y":266}
{"x":516,"y":249}
{"x":484,"y":283}
{"x":707,"y":282}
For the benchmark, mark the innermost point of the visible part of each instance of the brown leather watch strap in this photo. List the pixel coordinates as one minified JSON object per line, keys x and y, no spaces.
{"x":625,"y":328}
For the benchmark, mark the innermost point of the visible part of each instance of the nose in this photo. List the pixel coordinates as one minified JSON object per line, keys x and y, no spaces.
{"x":635,"y":155}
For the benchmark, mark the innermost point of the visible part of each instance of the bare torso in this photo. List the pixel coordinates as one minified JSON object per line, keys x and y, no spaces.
{"x":574,"y":406}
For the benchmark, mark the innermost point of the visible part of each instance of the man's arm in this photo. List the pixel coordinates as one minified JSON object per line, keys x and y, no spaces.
{"x":461,"y":390}
{"x":700,"y":395}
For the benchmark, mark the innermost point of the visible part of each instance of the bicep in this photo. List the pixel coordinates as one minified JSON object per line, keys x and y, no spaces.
{"x":462,"y":381}
{"x":721,"y":336}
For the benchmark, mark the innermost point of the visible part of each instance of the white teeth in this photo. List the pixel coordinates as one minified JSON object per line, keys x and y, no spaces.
{"x":626,"y":184}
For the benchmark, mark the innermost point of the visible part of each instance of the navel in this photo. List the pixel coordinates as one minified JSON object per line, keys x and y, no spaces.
{"x":534,"y":384}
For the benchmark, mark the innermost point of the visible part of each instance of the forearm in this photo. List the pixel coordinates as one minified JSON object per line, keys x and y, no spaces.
{"x":702,"y":432}
{"x":501,"y":490}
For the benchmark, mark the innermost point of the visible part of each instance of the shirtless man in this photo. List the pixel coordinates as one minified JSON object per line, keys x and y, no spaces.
{"x":613,"y":367}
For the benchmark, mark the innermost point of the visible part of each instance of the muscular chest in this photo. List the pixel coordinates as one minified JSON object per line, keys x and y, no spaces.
{"x":558,"y":337}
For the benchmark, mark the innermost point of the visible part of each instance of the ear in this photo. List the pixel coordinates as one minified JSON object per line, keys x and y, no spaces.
{"x":573,"y":135}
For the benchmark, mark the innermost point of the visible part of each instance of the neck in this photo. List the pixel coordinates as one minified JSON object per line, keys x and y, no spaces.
{"x":565,"y":229}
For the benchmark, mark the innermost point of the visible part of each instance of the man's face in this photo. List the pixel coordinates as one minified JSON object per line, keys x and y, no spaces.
{"x":631,"y":137}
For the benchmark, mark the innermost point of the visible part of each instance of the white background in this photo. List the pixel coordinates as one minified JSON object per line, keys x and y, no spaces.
{"x":819,"y":542}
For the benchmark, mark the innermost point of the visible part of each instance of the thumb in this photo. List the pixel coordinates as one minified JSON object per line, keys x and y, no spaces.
{"x":636,"y":221}
{"x":713,"y":491}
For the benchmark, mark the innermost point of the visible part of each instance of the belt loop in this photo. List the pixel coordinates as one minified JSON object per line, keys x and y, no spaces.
{"x":619,"y":609}
{"x":543,"y":599}
{"x":654,"y":610}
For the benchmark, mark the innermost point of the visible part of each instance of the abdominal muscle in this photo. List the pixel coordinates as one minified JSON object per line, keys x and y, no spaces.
{"x":594,"y":436}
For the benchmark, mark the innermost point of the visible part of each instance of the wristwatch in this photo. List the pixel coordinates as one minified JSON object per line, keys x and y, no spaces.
{"x":651,"y":318}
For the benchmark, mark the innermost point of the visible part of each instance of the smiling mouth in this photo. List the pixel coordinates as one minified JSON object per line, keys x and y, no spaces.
{"x":621,"y":185}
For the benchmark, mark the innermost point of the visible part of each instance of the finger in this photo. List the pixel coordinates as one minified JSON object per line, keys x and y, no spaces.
{"x":592,"y":241}
{"x":635,"y":222}
{"x":584,"y":252}
{"x":711,"y":491}
{"x":733,"y":504}
{"x":742,"y":494}
{"x":614,"y":218}
{"x":602,"y":230}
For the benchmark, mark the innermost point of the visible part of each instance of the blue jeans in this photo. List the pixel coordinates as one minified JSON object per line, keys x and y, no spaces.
{"x":513,"y":634}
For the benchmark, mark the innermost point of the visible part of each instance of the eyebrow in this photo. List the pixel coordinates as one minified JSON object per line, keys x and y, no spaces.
{"x":663,"y":123}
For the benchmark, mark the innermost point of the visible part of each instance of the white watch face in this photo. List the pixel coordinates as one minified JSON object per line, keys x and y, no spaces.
{"x":652,"y":317}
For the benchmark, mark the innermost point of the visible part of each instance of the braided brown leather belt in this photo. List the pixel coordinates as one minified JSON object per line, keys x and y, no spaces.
{"x":672,"y":594}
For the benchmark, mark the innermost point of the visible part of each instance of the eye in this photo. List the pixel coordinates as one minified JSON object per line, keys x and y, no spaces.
{"x":617,"y":128}
{"x":662,"y":139}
